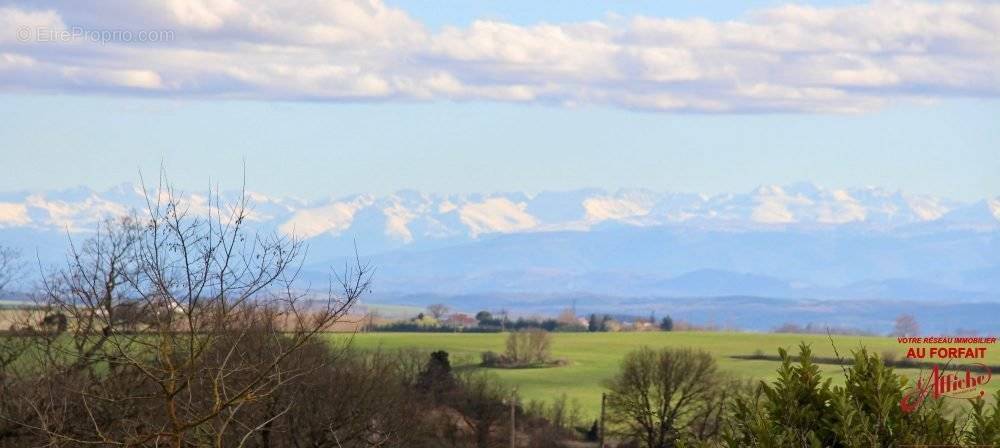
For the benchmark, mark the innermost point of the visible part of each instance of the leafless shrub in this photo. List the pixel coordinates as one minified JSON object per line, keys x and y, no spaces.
{"x":561,"y":413}
{"x":527,"y":347}
{"x":683,"y":325}
{"x":438,"y":310}
{"x":814,"y":328}
{"x":906,"y":325}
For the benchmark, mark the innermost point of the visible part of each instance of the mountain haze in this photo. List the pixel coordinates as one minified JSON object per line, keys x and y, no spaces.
{"x":792,"y":241}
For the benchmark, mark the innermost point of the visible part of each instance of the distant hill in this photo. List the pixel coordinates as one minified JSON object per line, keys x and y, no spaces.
{"x":795,"y":241}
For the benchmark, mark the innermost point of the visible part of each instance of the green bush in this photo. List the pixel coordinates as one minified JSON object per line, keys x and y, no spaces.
{"x":984,"y":425}
{"x":801,"y":409}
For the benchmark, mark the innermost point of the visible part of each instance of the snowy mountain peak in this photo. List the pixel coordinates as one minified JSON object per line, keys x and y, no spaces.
{"x":407,"y":216}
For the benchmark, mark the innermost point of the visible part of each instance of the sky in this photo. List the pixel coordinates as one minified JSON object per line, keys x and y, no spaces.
{"x":320,"y":98}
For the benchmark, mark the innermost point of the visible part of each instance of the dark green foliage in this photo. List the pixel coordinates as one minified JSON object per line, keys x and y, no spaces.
{"x":872,"y":410}
{"x":55,"y":322}
{"x":487,"y":320}
{"x":416,"y":327}
{"x":800,"y":387}
{"x":869,"y":406}
{"x":491,"y":359}
{"x":752,"y":426}
{"x":437,"y":379}
{"x":667,"y":324}
{"x":487,"y":323}
{"x":984,"y":423}
{"x":801,"y":409}
{"x":598,"y":323}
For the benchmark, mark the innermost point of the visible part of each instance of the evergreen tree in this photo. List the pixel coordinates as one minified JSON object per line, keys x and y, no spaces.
{"x":437,"y":378}
{"x":593,"y":324}
{"x":667,"y":324}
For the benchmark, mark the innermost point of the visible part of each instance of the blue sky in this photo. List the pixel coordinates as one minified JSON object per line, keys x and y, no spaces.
{"x":315,"y":149}
{"x":440,"y":13}
{"x":484,"y":96}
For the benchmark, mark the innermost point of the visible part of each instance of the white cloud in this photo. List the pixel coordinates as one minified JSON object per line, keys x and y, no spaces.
{"x":14,"y":20}
{"x":10,"y":61}
{"x":13,"y":214}
{"x":142,"y":79}
{"x":788,"y":58}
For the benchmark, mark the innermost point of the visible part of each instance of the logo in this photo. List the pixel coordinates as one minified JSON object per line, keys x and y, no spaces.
{"x":24,"y":34}
{"x":962,"y":383}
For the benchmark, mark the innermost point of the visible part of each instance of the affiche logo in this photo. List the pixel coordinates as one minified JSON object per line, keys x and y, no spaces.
{"x":964,"y":382}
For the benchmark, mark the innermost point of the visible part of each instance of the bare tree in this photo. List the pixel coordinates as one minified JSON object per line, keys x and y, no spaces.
{"x":181,"y":315}
{"x":906,"y":325}
{"x":657,"y":396}
{"x":438,"y":310}
{"x":10,"y":267}
{"x":568,"y":317}
{"x":480,"y":403}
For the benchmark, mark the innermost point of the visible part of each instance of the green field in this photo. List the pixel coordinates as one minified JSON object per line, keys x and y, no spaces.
{"x":595,"y":356}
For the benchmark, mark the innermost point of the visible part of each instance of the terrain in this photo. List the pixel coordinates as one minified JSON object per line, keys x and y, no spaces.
{"x":593,"y":357}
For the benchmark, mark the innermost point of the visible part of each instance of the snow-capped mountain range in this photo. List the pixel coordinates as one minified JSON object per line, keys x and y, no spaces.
{"x":407,"y":217}
{"x":798,"y":240}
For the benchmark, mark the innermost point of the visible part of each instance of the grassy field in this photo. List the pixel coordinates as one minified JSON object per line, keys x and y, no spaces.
{"x":595,"y":356}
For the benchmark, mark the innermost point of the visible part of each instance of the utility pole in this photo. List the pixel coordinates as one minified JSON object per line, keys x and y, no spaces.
{"x":513,"y":431}
{"x":604,"y":397}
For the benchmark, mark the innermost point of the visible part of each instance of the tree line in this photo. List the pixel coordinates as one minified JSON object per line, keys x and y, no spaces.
{"x":438,"y":320}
